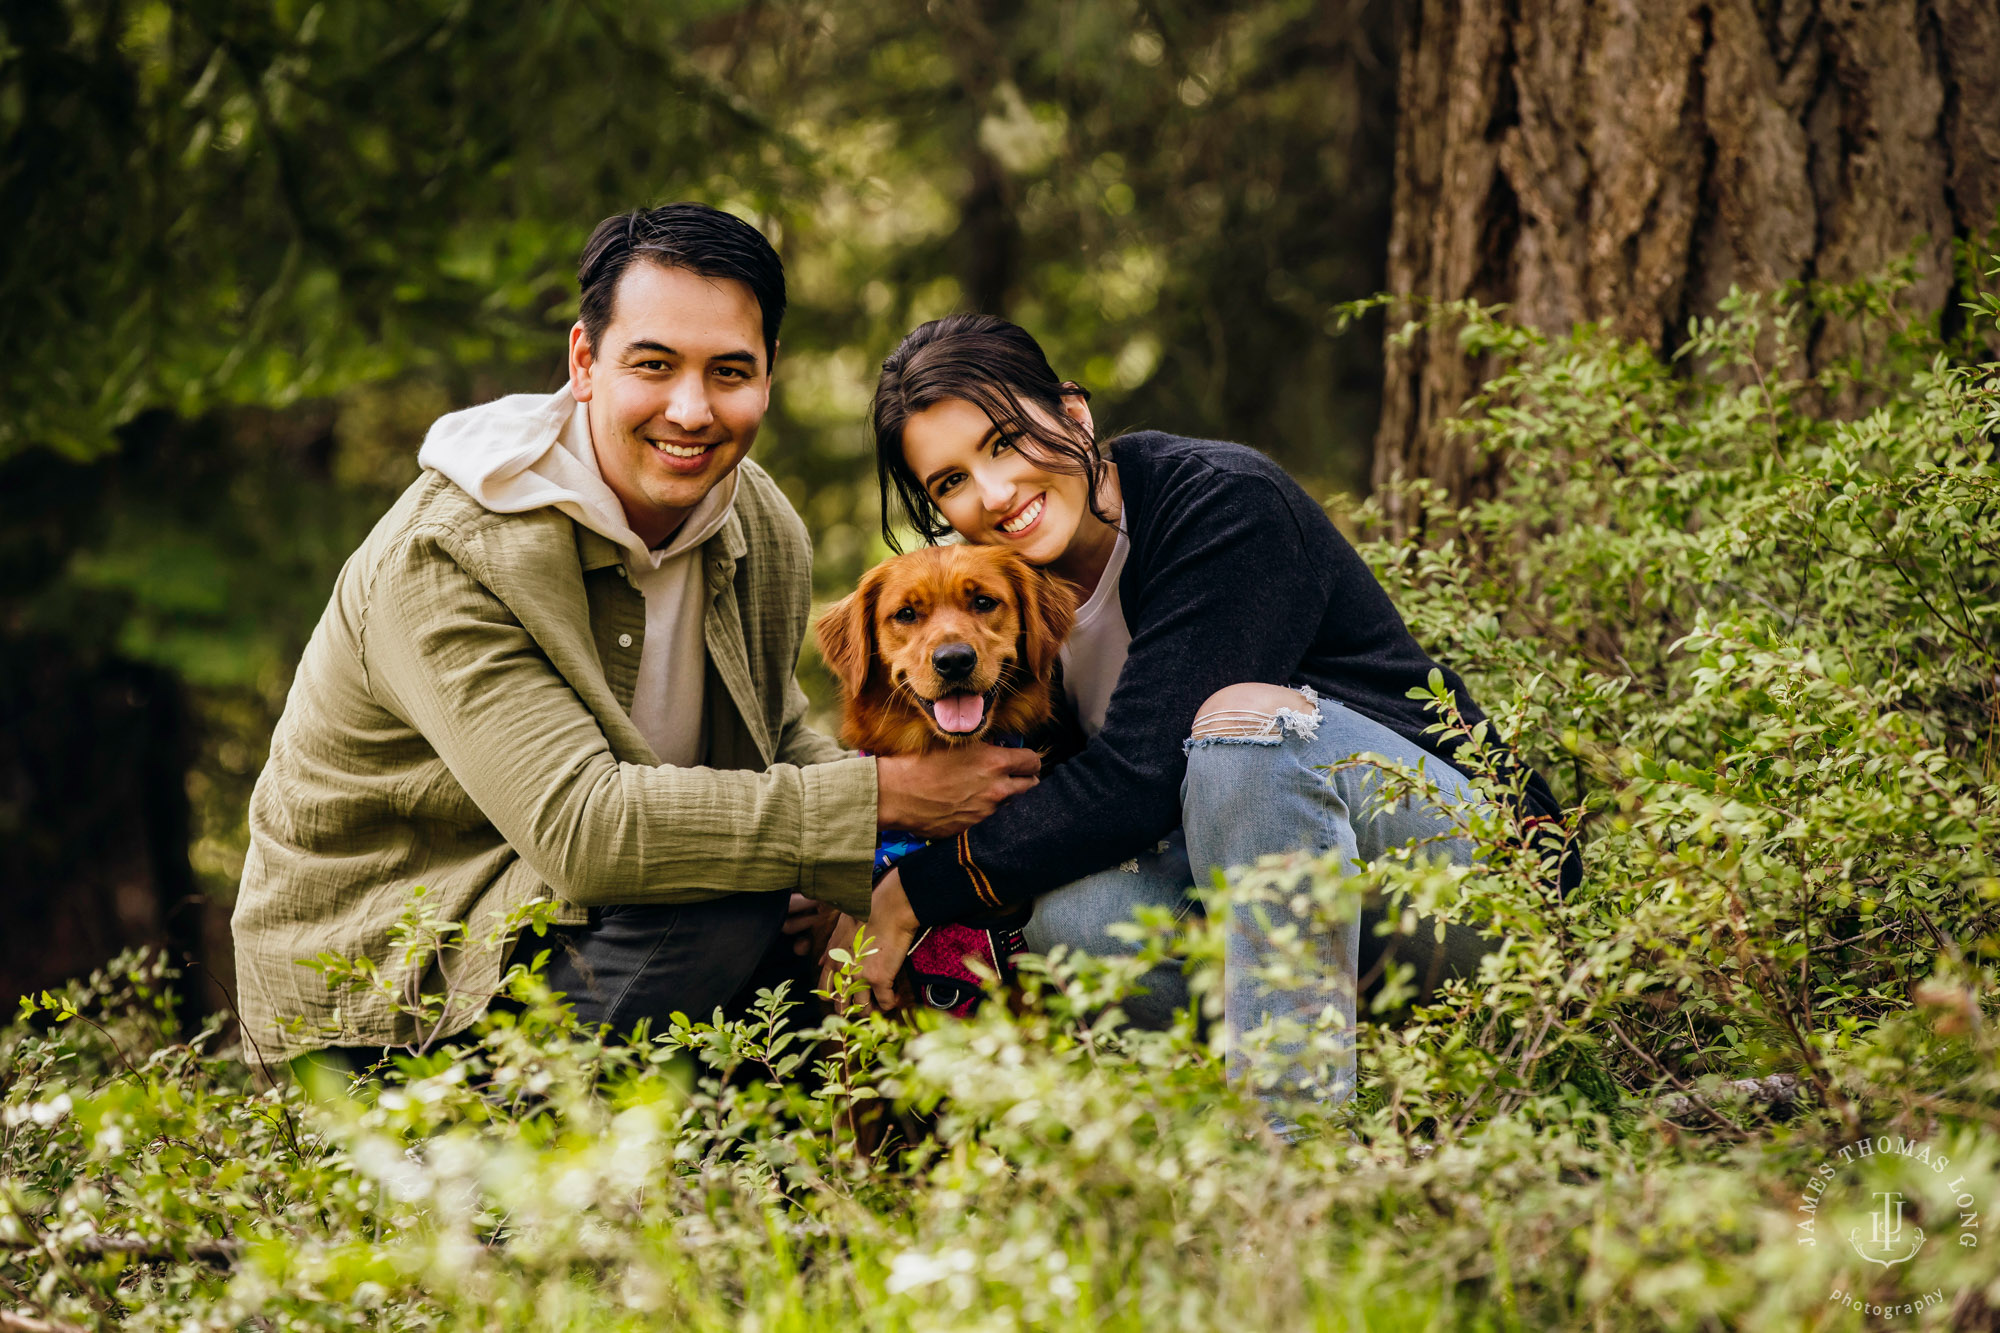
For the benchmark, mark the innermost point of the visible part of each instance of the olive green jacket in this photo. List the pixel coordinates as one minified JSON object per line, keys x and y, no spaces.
{"x":460,"y":721}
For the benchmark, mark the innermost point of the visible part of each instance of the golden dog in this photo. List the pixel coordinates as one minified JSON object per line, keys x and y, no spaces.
{"x":944,"y":646}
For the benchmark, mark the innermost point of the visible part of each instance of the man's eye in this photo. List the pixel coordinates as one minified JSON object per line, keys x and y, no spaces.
{"x":906,"y":616}
{"x":982,"y":603}
{"x":652,"y":365}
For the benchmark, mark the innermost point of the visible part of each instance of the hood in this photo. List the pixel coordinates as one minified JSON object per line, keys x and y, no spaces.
{"x":533,"y":451}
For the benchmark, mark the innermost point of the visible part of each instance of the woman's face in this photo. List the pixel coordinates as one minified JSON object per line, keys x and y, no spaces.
{"x":992,"y":491}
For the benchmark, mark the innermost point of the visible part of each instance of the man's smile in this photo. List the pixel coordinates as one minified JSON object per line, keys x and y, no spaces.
{"x":683,"y":455}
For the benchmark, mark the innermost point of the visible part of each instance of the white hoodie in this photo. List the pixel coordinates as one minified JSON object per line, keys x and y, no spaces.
{"x":532,"y":451}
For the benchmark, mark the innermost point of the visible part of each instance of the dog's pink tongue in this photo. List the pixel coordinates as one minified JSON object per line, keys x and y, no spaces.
{"x":960,"y":713}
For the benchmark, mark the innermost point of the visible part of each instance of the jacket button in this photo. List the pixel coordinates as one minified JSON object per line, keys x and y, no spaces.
{"x":624,"y":641}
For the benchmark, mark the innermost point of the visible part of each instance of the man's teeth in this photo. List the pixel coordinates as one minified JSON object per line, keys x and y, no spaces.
{"x":682,"y":450}
{"x":1025,"y":517}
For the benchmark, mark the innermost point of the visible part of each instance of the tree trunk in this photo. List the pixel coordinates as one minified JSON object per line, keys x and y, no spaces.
{"x":1623,"y":162}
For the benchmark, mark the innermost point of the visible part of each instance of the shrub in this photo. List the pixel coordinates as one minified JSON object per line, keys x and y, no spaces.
{"x":1743,"y":625}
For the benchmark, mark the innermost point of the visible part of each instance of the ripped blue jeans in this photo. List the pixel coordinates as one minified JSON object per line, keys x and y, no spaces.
{"x":1259,"y":784}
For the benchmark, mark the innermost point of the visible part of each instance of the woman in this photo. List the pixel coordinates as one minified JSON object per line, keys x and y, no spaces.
{"x":1230,"y":647}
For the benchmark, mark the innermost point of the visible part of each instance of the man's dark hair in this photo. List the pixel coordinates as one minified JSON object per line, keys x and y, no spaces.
{"x":996,"y":366}
{"x":695,"y":237}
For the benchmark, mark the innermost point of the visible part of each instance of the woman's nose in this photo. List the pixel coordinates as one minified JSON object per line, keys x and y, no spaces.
{"x":997,"y":494}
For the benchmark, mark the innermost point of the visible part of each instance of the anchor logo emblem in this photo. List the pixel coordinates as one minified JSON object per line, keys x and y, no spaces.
{"x":1886,"y":1234}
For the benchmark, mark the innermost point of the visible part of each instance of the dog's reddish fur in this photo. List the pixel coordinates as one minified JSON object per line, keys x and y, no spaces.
{"x":879,"y":641}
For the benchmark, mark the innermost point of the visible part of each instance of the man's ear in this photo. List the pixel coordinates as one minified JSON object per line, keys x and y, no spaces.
{"x":1048,"y":609}
{"x":582,"y":361}
{"x":846,"y":634}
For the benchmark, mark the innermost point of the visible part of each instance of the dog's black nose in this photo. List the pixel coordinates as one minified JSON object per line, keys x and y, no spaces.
{"x":955,"y":661}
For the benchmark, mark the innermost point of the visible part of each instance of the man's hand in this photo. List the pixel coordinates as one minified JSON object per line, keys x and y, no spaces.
{"x":809,"y":924}
{"x":892,"y":928}
{"x":939,"y":795}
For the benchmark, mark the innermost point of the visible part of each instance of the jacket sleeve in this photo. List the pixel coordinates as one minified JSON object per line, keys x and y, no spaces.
{"x":798,"y":743}
{"x":446,"y":655}
{"x":1230,"y":594}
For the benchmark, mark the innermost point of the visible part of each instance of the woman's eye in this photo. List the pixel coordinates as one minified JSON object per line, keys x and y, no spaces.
{"x":906,"y":616}
{"x":983,"y":603}
{"x":949,"y":484}
{"x":1002,"y":443}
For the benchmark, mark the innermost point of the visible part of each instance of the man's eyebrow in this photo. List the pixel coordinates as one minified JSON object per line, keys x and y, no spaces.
{"x":647,"y":345}
{"x":984,"y":440}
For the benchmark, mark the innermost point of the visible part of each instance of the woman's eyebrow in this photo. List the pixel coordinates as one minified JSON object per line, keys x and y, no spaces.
{"x":984,"y":440}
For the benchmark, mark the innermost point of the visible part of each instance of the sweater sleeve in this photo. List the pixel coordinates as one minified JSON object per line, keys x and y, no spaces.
{"x":1227,"y":593}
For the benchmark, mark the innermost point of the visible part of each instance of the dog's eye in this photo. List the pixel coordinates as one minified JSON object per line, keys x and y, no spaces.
{"x":906,"y":616}
{"x":982,"y":603}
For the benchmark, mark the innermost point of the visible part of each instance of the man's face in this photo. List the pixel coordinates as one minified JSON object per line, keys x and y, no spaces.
{"x":676,"y":389}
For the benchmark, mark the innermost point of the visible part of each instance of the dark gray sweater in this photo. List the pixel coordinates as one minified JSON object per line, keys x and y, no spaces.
{"x":1234,"y":574}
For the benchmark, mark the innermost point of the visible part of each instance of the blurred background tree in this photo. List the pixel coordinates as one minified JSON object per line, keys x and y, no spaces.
{"x":253,"y":247}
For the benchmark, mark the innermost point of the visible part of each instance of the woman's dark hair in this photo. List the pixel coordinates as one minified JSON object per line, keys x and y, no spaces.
{"x":695,"y":237}
{"x":995,"y":366}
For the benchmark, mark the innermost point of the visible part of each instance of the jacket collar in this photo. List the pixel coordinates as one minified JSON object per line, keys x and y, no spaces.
{"x":597,"y":551}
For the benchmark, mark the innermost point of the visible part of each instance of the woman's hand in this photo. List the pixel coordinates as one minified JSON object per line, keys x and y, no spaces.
{"x":892,"y":928}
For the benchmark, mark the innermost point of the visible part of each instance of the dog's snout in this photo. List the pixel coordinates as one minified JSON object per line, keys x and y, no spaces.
{"x":955,"y":661}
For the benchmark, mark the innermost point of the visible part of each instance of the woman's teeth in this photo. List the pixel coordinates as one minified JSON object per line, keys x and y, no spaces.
{"x":1026,"y":516}
{"x":681,"y":450}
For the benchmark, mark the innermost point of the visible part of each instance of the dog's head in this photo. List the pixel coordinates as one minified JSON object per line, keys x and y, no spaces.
{"x":946,"y":645}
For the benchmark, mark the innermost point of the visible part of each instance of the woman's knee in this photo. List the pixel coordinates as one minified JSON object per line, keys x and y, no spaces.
{"x":1249,"y":709}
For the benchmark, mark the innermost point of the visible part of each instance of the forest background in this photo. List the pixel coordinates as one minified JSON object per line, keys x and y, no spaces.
{"x":251,"y":250}
{"x":1708,"y":515}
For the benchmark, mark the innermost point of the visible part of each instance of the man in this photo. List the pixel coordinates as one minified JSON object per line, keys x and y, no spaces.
{"x":562,"y":665}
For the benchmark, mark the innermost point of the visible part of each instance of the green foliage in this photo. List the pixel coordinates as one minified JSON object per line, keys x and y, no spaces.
{"x":1750,"y":641}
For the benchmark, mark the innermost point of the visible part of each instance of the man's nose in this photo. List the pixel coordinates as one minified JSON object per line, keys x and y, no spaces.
{"x":687,"y":404}
{"x":955,"y":661}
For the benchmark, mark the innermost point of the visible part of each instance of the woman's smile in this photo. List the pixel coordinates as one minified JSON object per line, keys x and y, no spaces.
{"x":1022,"y":521}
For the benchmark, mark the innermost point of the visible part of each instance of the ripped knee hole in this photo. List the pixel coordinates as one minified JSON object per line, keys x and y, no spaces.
{"x":1254,"y":711}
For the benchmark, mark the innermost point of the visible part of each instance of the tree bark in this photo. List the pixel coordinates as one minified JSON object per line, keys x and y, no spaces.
{"x":1625,"y":162}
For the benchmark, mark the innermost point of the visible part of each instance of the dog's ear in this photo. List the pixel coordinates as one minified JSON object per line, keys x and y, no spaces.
{"x":1048,"y":609}
{"x":846,"y":635}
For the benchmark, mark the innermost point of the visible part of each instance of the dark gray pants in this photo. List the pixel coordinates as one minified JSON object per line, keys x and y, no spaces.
{"x":648,"y":962}
{"x":653,"y":960}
